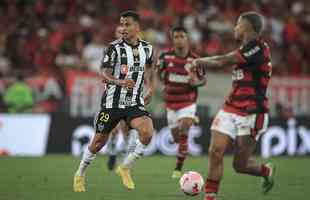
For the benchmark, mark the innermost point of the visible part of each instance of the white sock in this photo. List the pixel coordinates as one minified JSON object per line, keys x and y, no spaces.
{"x":131,"y":158}
{"x":132,"y":141}
{"x":86,"y":160}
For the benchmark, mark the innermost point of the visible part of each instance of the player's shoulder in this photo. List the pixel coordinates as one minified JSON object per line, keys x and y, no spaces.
{"x":252,"y":47}
{"x":145,"y":43}
{"x":116,"y":42}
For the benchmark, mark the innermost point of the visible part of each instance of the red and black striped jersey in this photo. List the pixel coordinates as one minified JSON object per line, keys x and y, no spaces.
{"x":250,"y":79}
{"x":178,"y":93}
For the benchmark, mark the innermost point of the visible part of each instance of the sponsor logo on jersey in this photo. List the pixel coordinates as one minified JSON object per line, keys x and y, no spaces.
{"x":136,"y":69}
{"x":251,"y":52}
{"x":176,"y":78}
{"x":135,"y":52}
{"x":106,"y":58}
{"x":169,"y":57}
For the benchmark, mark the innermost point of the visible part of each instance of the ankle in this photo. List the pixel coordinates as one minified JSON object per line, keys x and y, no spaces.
{"x":211,"y":186}
{"x":265,"y":171}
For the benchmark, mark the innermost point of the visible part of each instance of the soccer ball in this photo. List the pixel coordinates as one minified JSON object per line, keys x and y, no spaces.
{"x":191,"y":183}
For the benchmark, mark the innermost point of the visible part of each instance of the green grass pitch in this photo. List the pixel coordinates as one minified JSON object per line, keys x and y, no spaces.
{"x":50,"y":178}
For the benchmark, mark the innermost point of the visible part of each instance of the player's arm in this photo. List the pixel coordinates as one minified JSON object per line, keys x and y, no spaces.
{"x":150,"y":79}
{"x":107,"y":66}
{"x":160,"y":67}
{"x":250,"y":53}
{"x":196,"y":81}
{"x":220,"y":61}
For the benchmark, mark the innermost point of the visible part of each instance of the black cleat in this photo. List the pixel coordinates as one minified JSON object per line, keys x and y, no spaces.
{"x":269,"y":180}
{"x":111,"y":162}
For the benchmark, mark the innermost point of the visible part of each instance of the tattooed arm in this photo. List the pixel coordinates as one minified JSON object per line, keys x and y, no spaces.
{"x":150,"y":82}
{"x":108,"y":78}
{"x":107,"y":66}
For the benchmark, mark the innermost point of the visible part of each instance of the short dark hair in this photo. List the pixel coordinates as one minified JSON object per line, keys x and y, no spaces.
{"x":130,"y":13}
{"x":255,"y":19}
{"x":178,"y":29}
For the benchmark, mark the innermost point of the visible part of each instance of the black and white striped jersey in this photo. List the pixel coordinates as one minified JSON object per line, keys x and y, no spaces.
{"x":127,"y":62}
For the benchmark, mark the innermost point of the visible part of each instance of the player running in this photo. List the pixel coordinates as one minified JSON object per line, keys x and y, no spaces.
{"x":244,"y":116}
{"x":129,"y":136}
{"x":124,"y":66}
{"x":180,"y":91}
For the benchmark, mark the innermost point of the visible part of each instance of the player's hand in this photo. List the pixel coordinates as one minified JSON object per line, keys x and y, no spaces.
{"x":148,"y":96}
{"x":195,"y":65}
{"x":198,"y":68}
{"x":127,"y":83}
{"x":193,"y":79}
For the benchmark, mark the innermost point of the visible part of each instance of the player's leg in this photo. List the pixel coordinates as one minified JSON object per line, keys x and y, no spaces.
{"x":180,"y":122}
{"x":104,"y":123}
{"x":172,"y":120}
{"x":220,"y":142}
{"x":144,"y":126}
{"x":245,"y":146}
{"x":184,"y":124}
{"x":111,"y":148}
{"x":140,"y":121}
{"x":89,"y":155}
{"x":223,"y":132}
{"x":126,"y":132}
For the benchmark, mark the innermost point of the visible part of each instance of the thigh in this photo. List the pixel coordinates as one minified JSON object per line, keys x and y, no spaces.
{"x":185,"y":123}
{"x":220,"y":142}
{"x":224,"y":123}
{"x":252,"y":125}
{"x":139,"y":119}
{"x":123,"y":127}
{"x":244,"y":147}
{"x":98,"y":141}
{"x":142,"y":124}
{"x":106,"y":120}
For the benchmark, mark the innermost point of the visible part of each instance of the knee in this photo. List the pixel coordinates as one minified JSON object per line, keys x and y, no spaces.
{"x":184,"y":126}
{"x":146,"y":134}
{"x":95,"y":147}
{"x":216,"y":152}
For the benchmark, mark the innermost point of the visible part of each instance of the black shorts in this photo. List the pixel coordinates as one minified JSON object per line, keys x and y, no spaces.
{"x":107,"y":119}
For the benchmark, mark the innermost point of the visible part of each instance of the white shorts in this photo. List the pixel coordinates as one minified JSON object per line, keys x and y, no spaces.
{"x":236,"y":125}
{"x":173,"y":116}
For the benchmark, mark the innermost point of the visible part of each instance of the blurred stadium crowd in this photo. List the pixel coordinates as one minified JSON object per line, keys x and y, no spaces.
{"x":41,"y":39}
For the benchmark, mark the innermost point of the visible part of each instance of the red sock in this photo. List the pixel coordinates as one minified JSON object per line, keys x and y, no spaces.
{"x":182,"y":152}
{"x":265,"y":170}
{"x":211,"y":186}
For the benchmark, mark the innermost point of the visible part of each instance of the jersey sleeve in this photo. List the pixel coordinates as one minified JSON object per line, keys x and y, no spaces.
{"x":150,"y":57}
{"x":109,"y":57}
{"x":251,"y":53}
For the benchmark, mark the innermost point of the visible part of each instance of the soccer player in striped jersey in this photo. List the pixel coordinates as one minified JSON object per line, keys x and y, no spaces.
{"x":180,"y":91}
{"x":129,"y":135}
{"x":244,"y":116}
{"x":127,"y":62}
